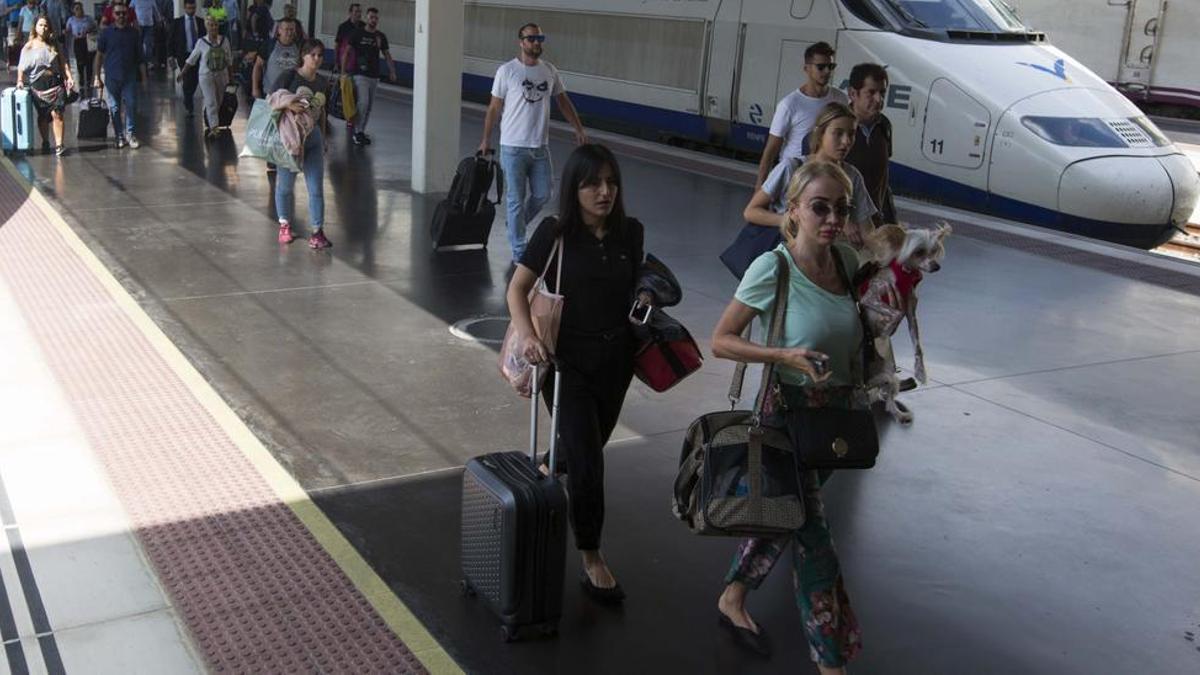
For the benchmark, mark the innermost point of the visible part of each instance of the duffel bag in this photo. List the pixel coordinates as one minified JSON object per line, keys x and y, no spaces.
{"x":666,"y":352}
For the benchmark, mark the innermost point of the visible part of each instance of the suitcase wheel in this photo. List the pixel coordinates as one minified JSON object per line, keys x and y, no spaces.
{"x":464,"y":587}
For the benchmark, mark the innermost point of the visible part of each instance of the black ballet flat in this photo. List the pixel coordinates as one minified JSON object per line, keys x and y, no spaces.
{"x":604,"y":596}
{"x":755,"y":643}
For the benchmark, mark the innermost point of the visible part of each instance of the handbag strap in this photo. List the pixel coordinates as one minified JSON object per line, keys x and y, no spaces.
{"x":866,"y":331}
{"x":774,"y":335}
{"x":558,"y":246}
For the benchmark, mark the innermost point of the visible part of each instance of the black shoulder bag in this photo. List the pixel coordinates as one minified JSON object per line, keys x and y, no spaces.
{"x":832,"y":437}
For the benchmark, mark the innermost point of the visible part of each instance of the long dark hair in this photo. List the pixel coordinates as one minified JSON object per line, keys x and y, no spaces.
{"x":583,"y":168}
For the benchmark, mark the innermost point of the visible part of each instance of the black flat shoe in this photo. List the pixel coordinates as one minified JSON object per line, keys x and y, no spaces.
{"x":605,"y":596}
{"x":756,"y":643}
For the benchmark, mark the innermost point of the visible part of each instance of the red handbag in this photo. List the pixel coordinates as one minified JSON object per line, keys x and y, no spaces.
{"x":667,"y":353}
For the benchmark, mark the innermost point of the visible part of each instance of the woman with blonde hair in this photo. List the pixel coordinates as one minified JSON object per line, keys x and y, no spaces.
{"x":214,"y":57}
{"x":44,"y":70}
{"x":830,"y":140}
{"x":817,"y":366}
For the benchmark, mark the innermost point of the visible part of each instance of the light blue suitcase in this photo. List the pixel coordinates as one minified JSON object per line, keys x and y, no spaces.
{"x":17,"y":119}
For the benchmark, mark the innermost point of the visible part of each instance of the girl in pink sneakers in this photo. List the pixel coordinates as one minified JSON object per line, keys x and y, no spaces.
{"x":305,"y":79}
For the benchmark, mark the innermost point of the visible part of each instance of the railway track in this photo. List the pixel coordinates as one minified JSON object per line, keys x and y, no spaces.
{"x":1185,"y":244}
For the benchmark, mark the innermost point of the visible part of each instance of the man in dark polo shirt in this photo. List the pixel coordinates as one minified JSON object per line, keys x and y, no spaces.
{"x":872,"y":147}
{"x":119,"y":58}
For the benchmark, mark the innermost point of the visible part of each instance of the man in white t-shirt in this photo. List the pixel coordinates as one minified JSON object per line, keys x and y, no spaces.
{"x":795,"y":114}
{"x":521,"y":94}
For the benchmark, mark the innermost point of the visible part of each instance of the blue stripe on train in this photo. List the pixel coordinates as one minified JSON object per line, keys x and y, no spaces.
{"x":905,"y":180}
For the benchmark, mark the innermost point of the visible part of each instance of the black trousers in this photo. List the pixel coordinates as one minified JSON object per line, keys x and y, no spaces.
{"x":596,"y":375}
{"x":83,"y":63}
{"x":191,"y":80}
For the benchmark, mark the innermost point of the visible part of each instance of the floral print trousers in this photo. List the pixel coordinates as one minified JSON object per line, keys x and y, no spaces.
{"x":832,"y":630}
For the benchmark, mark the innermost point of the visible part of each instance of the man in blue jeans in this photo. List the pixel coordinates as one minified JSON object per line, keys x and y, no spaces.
{"x":119,"y":53}
{"x":148,"y":17}
{"x":521,"y":94}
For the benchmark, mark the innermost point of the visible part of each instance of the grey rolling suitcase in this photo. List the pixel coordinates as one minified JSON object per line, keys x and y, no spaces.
{"x":514,"y":534}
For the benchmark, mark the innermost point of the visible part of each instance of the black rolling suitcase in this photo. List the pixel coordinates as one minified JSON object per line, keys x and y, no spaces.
{"x":228,"y":107}
{"x":464,"y":218}
{"x":514,"y":535}
{"x":93,"y":120}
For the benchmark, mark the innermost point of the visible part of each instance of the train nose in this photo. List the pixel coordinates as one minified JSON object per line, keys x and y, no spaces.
{"x":1135,"y":197}
{"x":1186,"y":183}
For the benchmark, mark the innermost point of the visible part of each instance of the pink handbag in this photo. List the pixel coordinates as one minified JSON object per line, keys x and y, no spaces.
{"x":545,"y":311}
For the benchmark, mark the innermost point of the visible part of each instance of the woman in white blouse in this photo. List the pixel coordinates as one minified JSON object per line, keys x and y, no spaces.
{"x":213,"y":55}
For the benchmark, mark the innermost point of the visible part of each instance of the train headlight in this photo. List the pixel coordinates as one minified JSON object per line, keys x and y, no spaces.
{"x":1157,"y":137}
{"x":1080,"y":132}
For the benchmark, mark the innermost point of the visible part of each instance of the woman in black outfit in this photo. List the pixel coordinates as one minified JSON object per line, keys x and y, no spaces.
{"x":602,"y":253}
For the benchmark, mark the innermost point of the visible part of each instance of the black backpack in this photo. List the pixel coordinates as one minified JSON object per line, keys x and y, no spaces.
{"x":473,"y":180}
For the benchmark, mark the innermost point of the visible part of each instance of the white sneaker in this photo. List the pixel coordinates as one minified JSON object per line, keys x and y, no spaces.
{"x":134,"y":142}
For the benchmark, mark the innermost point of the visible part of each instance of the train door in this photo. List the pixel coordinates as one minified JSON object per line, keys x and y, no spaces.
{"x":771,"y":48}
{"x":956,"y":127}
{"x":724,"y":33}
{"x":1143,"y":26}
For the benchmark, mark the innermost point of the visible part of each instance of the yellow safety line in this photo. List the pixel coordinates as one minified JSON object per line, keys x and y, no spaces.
{"x":391,"y":608}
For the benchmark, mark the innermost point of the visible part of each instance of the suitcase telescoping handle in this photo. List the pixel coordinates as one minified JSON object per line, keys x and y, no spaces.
{"x":533,"y":418}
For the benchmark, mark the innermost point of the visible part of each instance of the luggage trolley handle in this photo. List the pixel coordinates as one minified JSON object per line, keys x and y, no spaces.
{"x":533,"y":418}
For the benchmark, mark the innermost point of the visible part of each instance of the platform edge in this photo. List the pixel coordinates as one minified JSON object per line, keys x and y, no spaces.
{"x":399,"y":619}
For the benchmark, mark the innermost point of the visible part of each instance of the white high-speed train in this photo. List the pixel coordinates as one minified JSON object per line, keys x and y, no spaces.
{"x":1143,"y":47}
{"x":987,"y":114}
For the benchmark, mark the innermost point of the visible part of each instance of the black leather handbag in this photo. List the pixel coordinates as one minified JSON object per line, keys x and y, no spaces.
{"x":838,"y":438}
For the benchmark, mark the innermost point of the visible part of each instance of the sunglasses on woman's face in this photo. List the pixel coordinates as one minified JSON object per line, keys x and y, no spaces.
{"x":823,"y":209}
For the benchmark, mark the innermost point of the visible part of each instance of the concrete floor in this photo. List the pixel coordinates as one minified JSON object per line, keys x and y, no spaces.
{"x":1039,"y":517}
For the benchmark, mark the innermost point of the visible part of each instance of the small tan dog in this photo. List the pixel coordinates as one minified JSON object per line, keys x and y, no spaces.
{"x":887,"y":284}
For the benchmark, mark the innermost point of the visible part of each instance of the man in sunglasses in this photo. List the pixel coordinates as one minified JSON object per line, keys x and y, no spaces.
{"x":521,"y":94}
{"x":119,"y":54}
{"x":795,"y":113}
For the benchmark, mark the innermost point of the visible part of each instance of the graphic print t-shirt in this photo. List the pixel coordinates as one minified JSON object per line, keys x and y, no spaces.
{"x":367,"y":46}
{"x":526,"y":91}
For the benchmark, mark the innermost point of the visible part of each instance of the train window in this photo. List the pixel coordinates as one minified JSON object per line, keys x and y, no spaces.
{"x":971,"y":15}
{"x":801,"y":8}
{"x":1159,"y":138}
{"x":1080,"y":132}
{"x":864,"y":10}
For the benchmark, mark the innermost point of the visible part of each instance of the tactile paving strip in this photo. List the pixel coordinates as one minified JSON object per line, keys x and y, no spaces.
{"x":258,"y":593}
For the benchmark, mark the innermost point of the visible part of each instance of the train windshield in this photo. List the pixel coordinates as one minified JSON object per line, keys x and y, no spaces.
{"x":988,"y":16}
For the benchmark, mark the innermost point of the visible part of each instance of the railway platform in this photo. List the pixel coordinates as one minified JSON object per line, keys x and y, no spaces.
{"x":223,"y":455}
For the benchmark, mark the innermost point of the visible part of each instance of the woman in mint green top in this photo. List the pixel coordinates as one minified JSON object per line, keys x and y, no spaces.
{"x":821,"y":342}
{"x":817,"y":317}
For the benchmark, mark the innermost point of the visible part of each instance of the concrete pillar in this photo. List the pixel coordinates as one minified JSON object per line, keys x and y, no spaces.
{"x":437,"y":93}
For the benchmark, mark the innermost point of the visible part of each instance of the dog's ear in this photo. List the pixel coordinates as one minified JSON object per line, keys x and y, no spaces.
{"x":943,"y":230}
{"x":885,"y":242}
